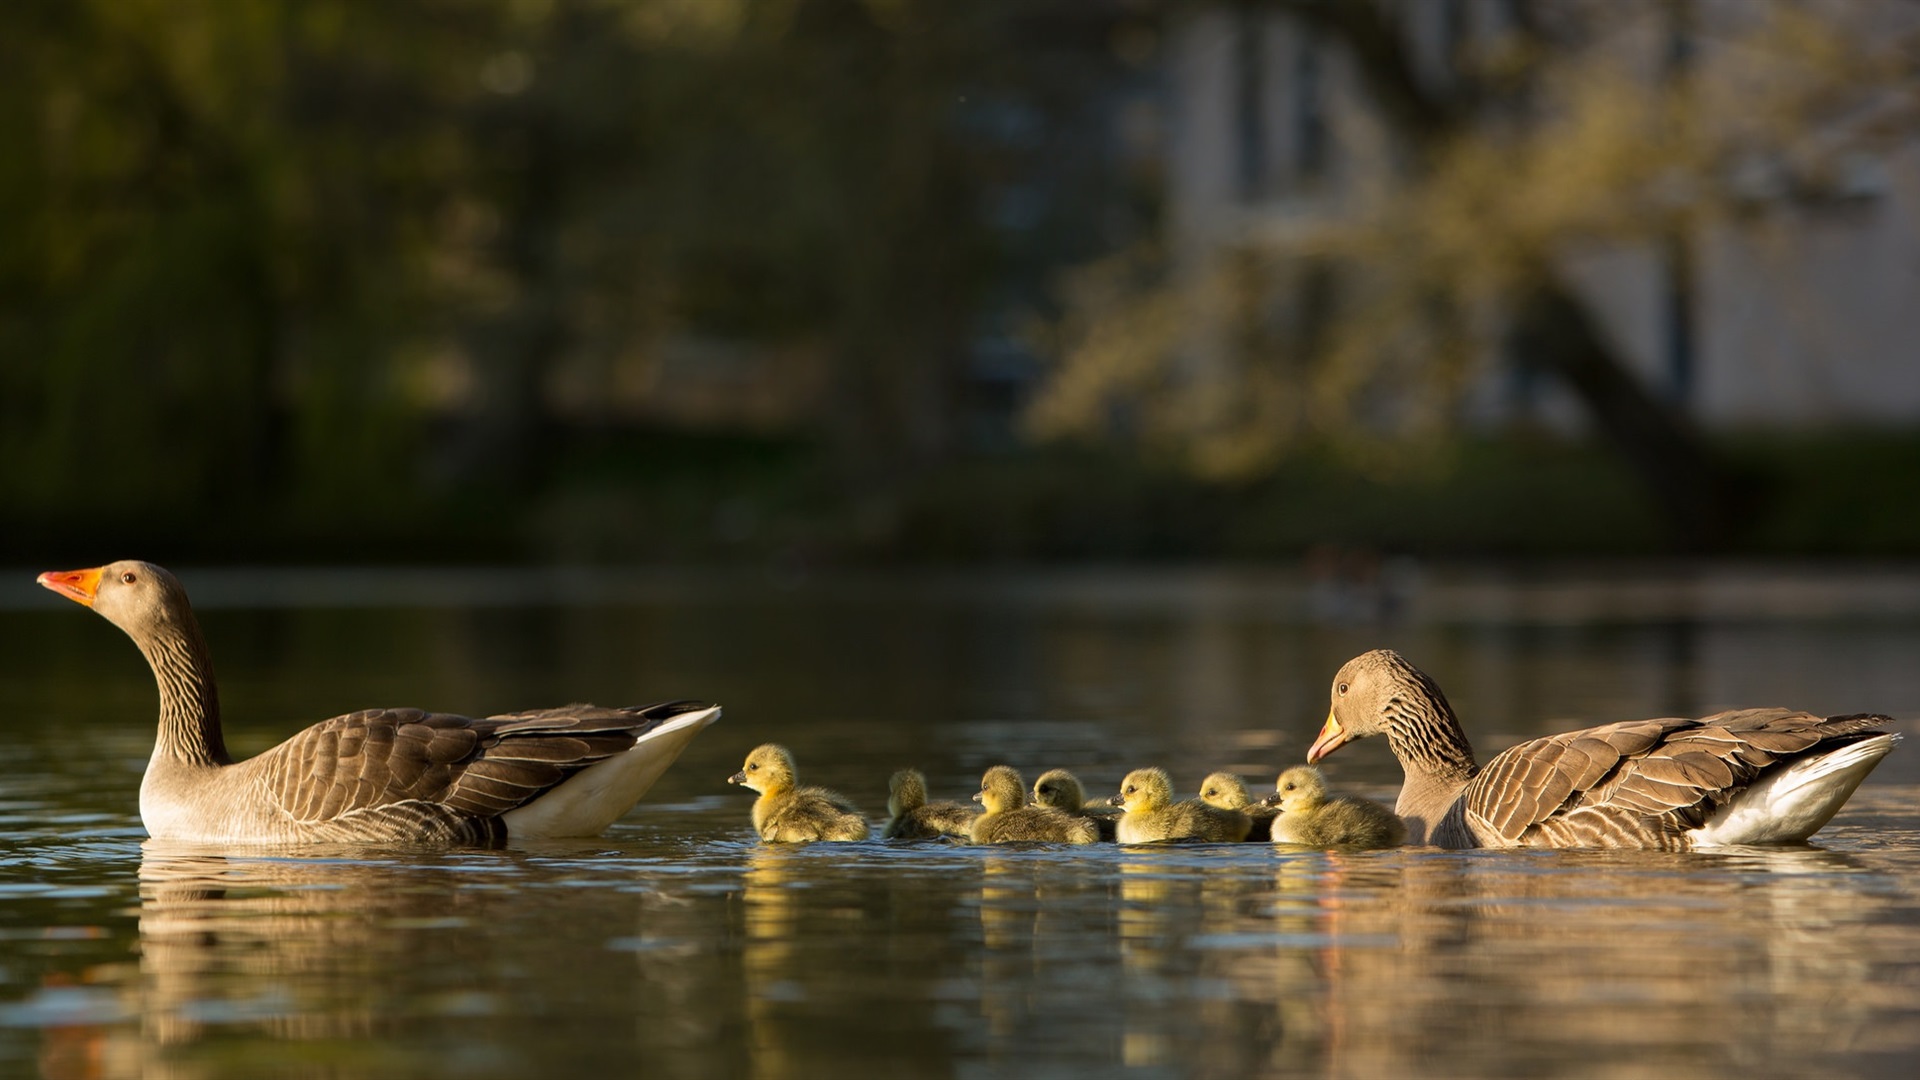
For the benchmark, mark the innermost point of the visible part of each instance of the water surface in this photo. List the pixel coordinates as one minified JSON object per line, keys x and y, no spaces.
{"x":677,"y":945}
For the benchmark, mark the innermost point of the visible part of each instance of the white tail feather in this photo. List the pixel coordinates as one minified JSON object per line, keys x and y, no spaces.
{"x":1791,"y":804}
{"x":596,"y":796}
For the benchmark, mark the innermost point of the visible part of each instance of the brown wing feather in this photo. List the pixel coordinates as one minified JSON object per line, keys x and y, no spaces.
{"x":373,"y":771}
{"x":1642,"y":782}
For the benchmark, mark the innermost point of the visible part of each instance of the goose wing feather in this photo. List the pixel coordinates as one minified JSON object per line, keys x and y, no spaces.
{"x":356,"y":771}
{"x":1639,"y":781}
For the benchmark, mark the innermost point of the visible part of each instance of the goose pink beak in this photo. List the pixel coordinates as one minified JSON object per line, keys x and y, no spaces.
{"x":80,"y":586}
{"x":1332,"y":737}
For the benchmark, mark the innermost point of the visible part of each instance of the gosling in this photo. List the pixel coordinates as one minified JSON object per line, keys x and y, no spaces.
{"x":1226,"y":791}
{"x":1008,"y":818}
{"x":1152,"y":815}
{"x":911,"y":817}
{"x":1061,"y":790}
{"x":1308,"y":816}
{"x":786,"y":813}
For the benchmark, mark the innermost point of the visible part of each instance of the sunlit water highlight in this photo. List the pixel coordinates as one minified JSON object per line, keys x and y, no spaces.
{"x":677,"y":945}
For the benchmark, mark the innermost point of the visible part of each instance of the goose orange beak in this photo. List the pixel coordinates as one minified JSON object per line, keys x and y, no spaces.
{"x":79,"y":586}
{"x":1332,"y":737}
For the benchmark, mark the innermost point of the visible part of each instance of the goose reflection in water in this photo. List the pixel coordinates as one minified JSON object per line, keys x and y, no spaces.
{"x":360,"y":962}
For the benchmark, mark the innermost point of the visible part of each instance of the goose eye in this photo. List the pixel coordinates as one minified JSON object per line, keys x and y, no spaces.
{"x":1343,"y":688}
{"x":128,"y":577}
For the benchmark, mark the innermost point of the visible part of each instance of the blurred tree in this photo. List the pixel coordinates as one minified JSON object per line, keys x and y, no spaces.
{"x":302,"y":261}
{"x":1554,"y":136}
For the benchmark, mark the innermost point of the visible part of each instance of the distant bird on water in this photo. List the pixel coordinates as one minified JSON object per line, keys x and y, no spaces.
{"x":1746,"y":776}
{"x":379,"y":775}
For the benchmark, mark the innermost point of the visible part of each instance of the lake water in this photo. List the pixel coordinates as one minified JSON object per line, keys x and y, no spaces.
{"x":678,"y":946}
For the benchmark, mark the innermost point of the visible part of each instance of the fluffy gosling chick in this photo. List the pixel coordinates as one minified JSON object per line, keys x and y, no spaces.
{"x":1228,"y":792}
{"x":1061,"y":790}
{"x":787,"y":813}
{"x":1008,"y":818}
{"x":1308,"y":816}
{"x":911,"y":817}
{"x":1152,"y":815}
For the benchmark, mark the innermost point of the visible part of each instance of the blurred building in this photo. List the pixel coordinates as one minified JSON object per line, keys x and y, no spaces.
{"x":1803,"y":310}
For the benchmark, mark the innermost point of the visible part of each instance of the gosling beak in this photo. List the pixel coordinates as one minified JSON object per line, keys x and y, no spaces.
{"x":738,"y":778}
{"x":1332,"y":737}
{"x":1271,"y":800}
{"x":80,"y":586}
{"x":977,"y":794}
{"x":1117,"y":800}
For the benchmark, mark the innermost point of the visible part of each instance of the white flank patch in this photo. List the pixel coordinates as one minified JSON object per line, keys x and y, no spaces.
{"x":1791,"y":804}
{"x":596,"y":796}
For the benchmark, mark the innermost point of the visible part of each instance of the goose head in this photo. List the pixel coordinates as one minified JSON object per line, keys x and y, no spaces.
{"x":1144,"y":791}
{"x":1299,"y":790}
{"x":769,"y":768}
{"x":138,"y":597}
{"x":1059,"y":789}
{"x":1368,"y":694}
{"x":1001,"y":789}
{"x":1224,"y":790}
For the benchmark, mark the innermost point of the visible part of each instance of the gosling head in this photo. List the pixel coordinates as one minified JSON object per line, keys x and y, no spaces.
{"x":1224,"y":790}
{"x":907,"y":790}
{"x":1059,"y":789}
{"x":1300,"y":789}
{"x":1001,"y":789}
{"x":1144,"y":791}
{"x":768,"y":768}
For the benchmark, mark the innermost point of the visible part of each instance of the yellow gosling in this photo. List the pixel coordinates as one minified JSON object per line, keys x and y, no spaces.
{"x":1308,"y":816}
{"x":787,"y":813}
{"x":911,"y":817}
{"x":1228,"y":792}
{"x":1008,"y":818}
{"x":1152,"y":816}
{"x":1061,"y":790}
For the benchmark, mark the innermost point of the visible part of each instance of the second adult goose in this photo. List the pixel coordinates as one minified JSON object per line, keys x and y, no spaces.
{"x":1747,"y":776}
{"x":379,"y":775}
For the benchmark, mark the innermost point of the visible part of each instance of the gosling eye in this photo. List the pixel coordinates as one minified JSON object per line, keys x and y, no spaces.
{"x":752,"y":768}
{"x":1343,"y":688}
{"x":1286,"y":787}
{"x":128,"y":577}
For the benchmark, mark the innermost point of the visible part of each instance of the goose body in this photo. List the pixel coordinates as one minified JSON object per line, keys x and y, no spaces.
{"x":787,"y":813}
{"x":1152,"y":815}
{"x":1009,"y":820}
{"x":1307,"y":816}
{"x":1061,"y":790}
{"x":911,"y":817}
{"x":1746,"y":776}
{"x":376,"y":776}
{"x":1228,"y":792}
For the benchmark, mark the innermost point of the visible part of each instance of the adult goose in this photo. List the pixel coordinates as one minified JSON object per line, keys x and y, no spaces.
{"x":1747,"y":776}
{"x":378,"y":776}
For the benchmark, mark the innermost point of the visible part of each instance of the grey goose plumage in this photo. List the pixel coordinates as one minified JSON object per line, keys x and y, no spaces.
{"x":379,"y":775}
{"x":1745,"y":776}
